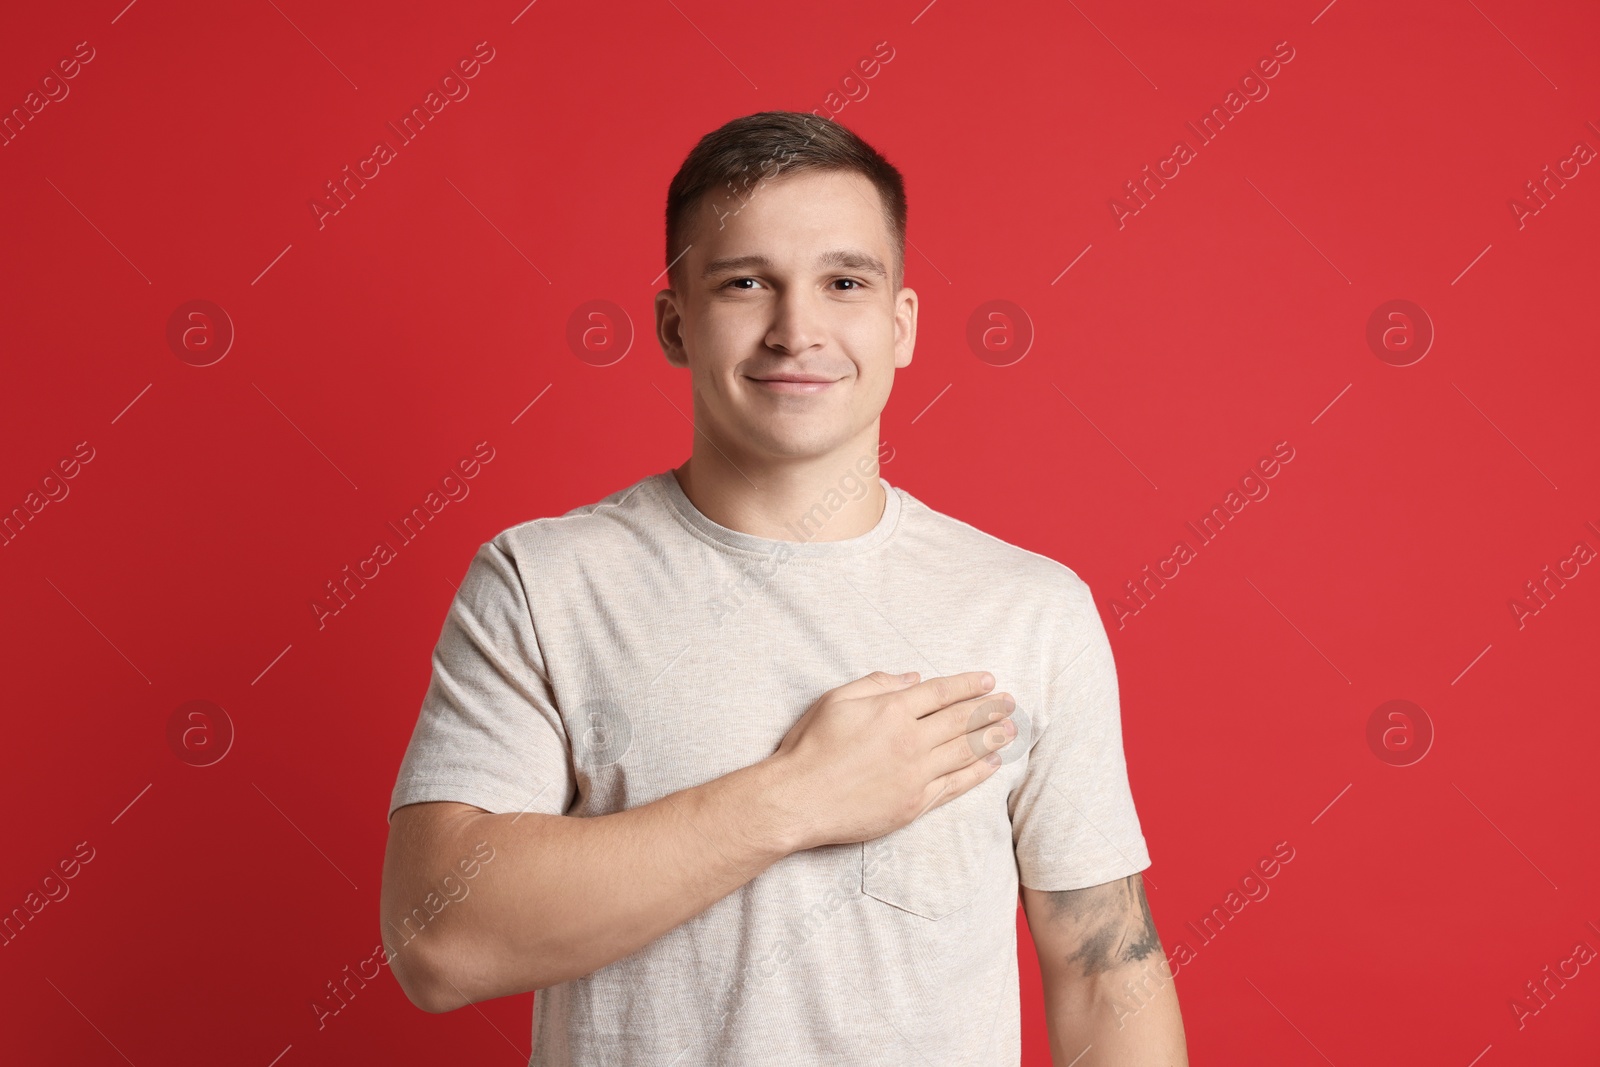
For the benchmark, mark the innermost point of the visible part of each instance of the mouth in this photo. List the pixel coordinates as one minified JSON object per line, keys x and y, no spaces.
{"x":798,"y":383}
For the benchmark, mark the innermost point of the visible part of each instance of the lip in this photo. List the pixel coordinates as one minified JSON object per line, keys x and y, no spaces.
{"x":794,"y":384}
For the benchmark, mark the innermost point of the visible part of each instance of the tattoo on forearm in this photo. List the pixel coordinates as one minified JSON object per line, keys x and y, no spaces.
{"x":1112,"y":921}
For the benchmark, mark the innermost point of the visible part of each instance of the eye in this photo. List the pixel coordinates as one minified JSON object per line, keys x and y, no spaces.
{"x":734,"y":281}
{"x":853,"y":281}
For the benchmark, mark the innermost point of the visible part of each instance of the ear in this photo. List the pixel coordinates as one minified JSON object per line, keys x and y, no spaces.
{"x":669,"y":328}
{"x":905,"y":327}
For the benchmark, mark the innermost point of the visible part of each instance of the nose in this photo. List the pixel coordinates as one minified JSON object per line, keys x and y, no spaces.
{"x":796,"y":324}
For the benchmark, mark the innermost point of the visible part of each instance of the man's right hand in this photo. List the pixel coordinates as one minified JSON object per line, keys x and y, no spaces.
{"x":876,"y":753}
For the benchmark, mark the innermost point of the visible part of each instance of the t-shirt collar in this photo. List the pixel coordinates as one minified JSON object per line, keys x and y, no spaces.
{"x":697,"y":523}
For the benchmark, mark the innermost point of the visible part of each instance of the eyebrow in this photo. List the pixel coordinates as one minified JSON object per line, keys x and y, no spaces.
{"x":843,"y":258}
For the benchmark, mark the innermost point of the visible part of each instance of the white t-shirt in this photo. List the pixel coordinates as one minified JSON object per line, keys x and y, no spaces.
{"x":600,"y":660}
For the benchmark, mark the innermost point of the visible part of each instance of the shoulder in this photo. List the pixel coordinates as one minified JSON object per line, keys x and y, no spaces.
{"x":1051,"y":601}
{"x":1031,"y":575}
{"x":613,"y":519}
{"x":561,"y":552}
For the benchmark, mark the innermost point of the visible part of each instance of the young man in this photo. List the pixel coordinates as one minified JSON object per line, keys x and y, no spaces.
{"x":667,"y":771}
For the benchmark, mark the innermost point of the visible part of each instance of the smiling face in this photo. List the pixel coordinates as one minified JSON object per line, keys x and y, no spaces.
{"x":796,"y":284}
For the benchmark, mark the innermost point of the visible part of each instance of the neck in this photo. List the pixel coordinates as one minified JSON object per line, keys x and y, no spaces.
{"x":818,"y":498}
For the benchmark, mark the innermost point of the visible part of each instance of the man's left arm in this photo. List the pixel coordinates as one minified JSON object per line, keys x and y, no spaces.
{"x":1110,"y":999}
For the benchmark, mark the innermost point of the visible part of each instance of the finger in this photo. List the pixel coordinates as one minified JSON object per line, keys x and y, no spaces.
{"x":967,"y":716}
{"x":875,"y":683}
{"x":974,"y":746}
{"x":962,"y":780}
{"x":941,"y":691}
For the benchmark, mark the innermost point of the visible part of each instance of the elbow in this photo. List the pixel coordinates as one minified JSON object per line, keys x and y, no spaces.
{"x":435,"y":1004}
{"x":422,"y":982}
{"x":441,"y":977}
{"x":431,"y":1000}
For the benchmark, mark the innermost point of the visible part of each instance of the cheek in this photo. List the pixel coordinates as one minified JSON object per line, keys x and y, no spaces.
{"x":722,"y":340}
{"x":710,"y":347}
{"x":872,"y":351}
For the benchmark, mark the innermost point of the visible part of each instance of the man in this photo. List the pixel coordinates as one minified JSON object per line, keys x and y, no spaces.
{"x":666,"y":733}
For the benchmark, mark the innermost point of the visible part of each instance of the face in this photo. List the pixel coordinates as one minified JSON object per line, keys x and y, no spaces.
{"x":796,"y":283}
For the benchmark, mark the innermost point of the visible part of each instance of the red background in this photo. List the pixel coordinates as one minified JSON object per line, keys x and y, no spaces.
{"x":1229,"y":314}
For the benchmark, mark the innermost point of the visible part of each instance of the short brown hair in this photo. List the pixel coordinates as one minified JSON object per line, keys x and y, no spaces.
{"x":767,"y":144}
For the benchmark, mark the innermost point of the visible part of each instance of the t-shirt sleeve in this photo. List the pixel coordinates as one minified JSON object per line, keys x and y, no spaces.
{"x":488,"y":733}
{"x":1073,"y":820}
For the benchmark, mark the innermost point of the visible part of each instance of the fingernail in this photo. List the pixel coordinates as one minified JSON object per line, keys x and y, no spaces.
{"x":992,"y":759}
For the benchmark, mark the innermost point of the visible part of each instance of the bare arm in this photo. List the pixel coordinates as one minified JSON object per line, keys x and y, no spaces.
{"x":561,"y":897}
{"x":1110,"y":1000}
{"x":555,"y":897}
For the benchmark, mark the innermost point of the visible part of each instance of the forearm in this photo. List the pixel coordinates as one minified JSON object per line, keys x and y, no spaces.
{"x":1124,"y":1017}
{"x":1109,"y":994}
{"x":566,"y":896}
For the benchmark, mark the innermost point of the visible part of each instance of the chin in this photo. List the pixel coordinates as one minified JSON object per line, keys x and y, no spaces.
{"x":794,"y":446}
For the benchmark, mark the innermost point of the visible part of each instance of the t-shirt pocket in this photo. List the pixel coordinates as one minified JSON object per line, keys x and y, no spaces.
{"x":934,"y":865}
